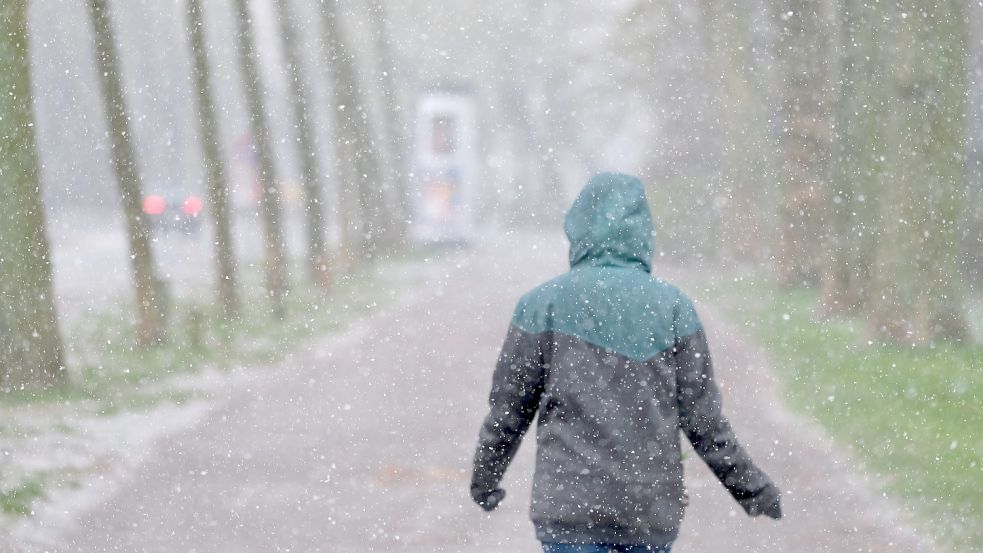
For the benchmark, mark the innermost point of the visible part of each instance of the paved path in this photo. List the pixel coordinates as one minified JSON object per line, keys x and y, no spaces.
{"x":364,"y":444}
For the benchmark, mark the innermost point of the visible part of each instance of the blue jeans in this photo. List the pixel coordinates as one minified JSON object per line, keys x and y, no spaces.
{"x":599,"y":548}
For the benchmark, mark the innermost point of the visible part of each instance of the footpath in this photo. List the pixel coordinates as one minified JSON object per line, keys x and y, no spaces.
{"x":364,"y":443}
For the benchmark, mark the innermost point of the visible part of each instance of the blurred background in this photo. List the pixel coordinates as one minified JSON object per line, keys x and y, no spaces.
{"x":192,"y":186}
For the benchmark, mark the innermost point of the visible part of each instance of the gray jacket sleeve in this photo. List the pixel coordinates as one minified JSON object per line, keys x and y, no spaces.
{"x":702,"y":420}
{"x":517,"y":385}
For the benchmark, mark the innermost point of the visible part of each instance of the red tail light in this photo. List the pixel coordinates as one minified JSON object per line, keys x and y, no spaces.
{"x":154,"y":205}
{"x":192,"y":206}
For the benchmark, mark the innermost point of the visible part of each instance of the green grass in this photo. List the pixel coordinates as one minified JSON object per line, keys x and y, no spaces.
{"x":108,"y":369}
{"x":17,"y":501}
{"x":914,"y":414}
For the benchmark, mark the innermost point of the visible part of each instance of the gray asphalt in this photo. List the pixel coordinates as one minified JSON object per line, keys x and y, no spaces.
{"x":364,"y":443}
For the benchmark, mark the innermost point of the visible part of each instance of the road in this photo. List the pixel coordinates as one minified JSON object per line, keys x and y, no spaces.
{"x":92,"y":270}
{"x":364,"y":443}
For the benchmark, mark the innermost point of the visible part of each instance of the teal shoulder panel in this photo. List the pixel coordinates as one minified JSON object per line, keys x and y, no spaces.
{"x":622,"y":309}
{"x":687,"y":321}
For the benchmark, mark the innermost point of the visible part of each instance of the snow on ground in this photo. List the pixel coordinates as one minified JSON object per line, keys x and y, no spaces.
{"x":363,"y":442}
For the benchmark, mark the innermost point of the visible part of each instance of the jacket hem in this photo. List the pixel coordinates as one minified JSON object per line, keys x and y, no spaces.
{"x":567,"y":533}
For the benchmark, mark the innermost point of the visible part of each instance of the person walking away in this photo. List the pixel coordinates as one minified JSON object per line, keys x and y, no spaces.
{"x":616,"y":363}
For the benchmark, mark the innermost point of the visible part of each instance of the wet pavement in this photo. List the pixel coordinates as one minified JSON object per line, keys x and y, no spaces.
{"x":364,"y":443}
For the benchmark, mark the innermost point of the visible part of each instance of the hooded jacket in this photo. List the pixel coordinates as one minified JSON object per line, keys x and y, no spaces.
{"x":615,"y":362}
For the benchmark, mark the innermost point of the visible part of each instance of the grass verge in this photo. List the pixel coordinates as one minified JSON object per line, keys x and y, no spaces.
{"x":108,"y":368}
{"x":913,"y":414}
{"x":17,"y":501}
{"x":109,"y":374}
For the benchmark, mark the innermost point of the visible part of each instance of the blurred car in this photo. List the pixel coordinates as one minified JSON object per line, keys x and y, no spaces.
{"x":180,"y":213}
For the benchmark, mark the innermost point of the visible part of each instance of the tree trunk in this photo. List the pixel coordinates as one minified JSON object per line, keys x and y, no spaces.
{"x":30,"y":346}
{"x":299,"y":102}
{"x":804,"y":56}
{"x":747,"y":166}
{"x":360,"y":187}
{"x":149,"y":288}
{"x":972,"y":218}
{"x":218,"y":196}
{"x":918,"y":297}
{"x":276,"y":248}
{"x":393,"y":130}
{"x":860,"y":112}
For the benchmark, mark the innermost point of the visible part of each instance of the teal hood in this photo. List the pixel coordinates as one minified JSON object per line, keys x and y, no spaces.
{"x":610,"y":224}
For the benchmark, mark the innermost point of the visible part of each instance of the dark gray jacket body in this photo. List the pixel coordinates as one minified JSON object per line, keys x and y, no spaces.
{"x":616,"y":364}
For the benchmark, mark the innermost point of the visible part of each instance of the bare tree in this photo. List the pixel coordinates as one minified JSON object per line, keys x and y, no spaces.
{"x":806,"y":67}
{"x":300,"y":104}
{"x":918,"y":295}
{"x":276,"y":249}
{"x":30,"y":346}
{"x":218,"y":196}
{"x":361,"y":182}
{"x":742,"y":109}
{"x":149,"y":288}
{"x":393,"y":127}
{"x":859,"y":112}
{"x":972,"y":217}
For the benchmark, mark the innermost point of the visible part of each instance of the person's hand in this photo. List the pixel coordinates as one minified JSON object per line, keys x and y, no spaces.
{"x":766,"y":502}
{"x":489,"y":500}
{"x":774,"y":510}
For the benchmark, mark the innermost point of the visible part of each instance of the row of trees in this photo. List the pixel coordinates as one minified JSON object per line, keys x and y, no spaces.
{"x":839,"y":137}
{"x":371,"y":196}
{"x":872,"y":160}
